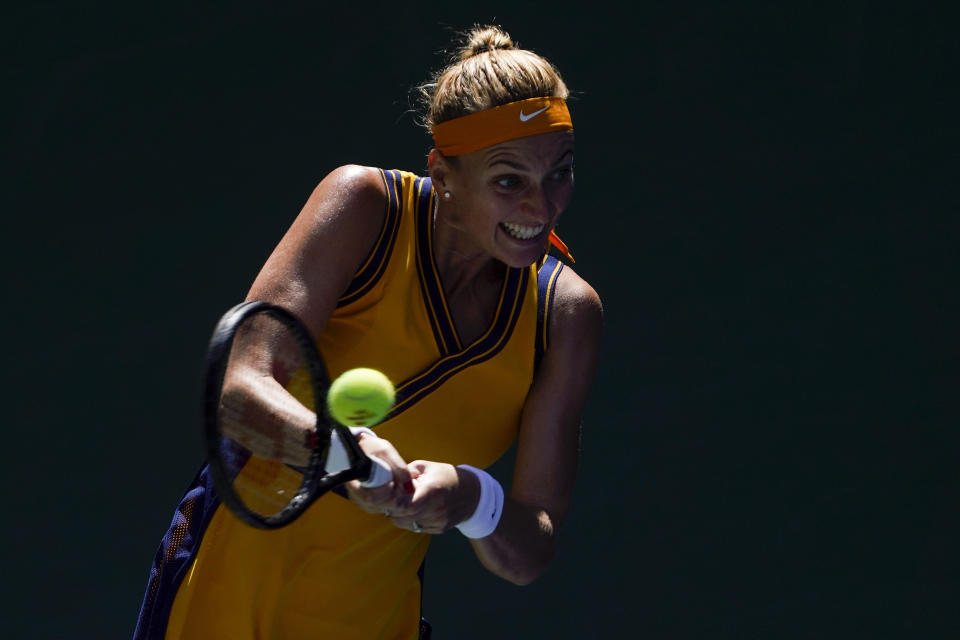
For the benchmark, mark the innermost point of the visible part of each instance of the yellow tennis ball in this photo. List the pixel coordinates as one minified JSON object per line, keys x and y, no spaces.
{"x":360,"y":397}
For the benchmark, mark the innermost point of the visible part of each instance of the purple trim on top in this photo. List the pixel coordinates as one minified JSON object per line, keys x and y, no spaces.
{"x":376,"y":263}
{"x":444,"y":332}
{"x":547,"y":276}
{"x":415,"y":388}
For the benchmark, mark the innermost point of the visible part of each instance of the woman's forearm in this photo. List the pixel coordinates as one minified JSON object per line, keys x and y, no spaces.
{"x":261,"y":415}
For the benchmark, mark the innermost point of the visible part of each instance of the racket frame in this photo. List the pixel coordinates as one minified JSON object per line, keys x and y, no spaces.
{"x":315,"y":481}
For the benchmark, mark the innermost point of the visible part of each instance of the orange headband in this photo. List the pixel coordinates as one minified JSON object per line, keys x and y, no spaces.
{"x":507,"y":122}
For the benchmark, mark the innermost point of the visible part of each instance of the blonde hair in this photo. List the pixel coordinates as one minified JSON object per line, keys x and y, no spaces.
{"x":486,"y":72}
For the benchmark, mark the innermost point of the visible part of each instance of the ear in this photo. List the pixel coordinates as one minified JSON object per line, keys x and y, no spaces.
{"x":439,"y":169}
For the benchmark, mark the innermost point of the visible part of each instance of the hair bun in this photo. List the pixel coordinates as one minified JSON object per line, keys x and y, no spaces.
{"x":484,"y":39}
{"x":471,"y":82}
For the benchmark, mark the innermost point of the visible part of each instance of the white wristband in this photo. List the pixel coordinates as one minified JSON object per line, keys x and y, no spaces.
{"x":337,"y":459}
{"x":489,"y":507}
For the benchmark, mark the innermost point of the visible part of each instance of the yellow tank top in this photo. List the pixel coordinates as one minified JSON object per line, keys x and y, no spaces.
{"x":338,"y":572}
{"x":457,"y":403}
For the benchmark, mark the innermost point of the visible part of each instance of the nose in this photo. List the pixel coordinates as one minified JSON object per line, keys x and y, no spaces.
{"x":539,"y":204}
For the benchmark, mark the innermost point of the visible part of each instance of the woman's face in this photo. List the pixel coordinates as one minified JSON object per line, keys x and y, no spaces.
{"x":507,"y":198}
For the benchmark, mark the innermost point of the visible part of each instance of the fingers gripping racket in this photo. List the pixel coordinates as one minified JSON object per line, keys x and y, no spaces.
{"x":265,"y":470}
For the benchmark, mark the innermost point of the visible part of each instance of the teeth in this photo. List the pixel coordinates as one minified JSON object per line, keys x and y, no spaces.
{"x":522,"y":232}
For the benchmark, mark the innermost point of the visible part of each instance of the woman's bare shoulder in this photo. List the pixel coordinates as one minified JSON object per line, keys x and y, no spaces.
{"x":576,"y":306}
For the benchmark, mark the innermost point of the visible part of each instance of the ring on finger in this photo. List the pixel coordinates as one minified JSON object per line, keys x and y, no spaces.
{"x":386,"y":512}
{"x":416,"y":527}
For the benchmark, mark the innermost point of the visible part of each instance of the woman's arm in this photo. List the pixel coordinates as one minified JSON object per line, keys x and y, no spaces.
{"x":315,"y":260}
{"x":307,"y":272}
{"x":523,"y":544}
{"x":548,"y":450}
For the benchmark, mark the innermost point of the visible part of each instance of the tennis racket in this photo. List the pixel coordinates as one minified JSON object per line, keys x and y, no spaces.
{"x":267,"y":471}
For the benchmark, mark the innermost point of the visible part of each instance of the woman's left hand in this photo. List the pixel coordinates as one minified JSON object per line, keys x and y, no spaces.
{"x":444,"y":496}
{"x":391,"y":496}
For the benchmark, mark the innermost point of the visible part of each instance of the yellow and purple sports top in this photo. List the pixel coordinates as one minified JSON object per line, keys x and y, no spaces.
{"x":337,"y":571}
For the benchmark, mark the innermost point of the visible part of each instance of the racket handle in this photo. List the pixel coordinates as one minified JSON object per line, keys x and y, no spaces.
{"x":337,"y":460}
{"x":380,"y":474}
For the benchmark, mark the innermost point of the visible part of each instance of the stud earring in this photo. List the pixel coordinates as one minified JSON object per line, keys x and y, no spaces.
{"x":446,"y":195}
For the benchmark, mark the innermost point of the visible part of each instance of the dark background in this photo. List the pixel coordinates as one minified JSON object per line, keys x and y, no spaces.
{"x":766,"y":201}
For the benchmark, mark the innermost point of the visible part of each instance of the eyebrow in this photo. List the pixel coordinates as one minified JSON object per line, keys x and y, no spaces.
{"x":510,"y":163}
{"x":496,"y":159}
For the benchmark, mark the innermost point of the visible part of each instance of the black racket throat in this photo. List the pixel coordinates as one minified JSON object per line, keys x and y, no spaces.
{"x":229,"y":462}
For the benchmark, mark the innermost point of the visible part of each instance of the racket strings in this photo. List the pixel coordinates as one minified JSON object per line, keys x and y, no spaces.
{"x":267,"y":486}
{"x":267,"y":430}
{"x":264,"y":417}
{"x":256,"y":411}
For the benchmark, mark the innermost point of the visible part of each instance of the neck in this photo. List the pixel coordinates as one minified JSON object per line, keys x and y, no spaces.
{"x":464,"y":267}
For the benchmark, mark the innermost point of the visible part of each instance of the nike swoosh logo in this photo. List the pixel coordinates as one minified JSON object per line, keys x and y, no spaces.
{"x":524,"y":118}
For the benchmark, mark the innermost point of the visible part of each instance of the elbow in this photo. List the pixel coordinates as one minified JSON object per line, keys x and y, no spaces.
{"x":527,"y":573}
{"x":522,"y":580}
{"x":525,"y":554}
{"x":523,"y":568}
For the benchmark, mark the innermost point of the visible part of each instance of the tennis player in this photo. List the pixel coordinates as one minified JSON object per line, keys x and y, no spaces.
{"x":445,"y":283}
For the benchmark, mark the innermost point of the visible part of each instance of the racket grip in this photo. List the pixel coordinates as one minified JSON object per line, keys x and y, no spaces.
{"x":380,"y":474}
{"x":338,"y":460}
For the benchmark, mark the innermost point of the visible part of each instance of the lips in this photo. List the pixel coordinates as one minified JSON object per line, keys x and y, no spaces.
{"x":522,"y":231}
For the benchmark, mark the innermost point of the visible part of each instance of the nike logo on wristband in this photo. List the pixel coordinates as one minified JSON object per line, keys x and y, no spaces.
{"x":524,"y":117}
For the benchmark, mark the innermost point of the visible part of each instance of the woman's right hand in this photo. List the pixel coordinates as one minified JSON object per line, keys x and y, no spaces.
{"x":391,"y":496}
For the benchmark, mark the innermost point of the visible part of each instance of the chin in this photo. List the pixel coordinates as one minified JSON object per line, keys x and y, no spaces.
{"x":519,"y":260}
{"x":522,"y":253}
